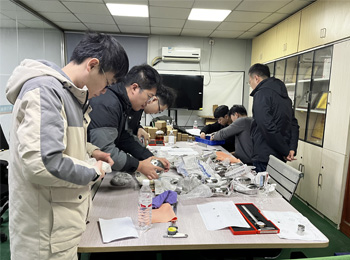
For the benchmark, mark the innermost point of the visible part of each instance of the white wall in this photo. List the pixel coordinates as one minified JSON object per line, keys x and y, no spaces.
{"x":16,"y":45}
{"x":227,"y":55}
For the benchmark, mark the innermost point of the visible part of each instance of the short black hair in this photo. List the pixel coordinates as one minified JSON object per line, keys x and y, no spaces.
{"x":221,"y":111}
{"x":260,"y":70}
{"x":106,"y":49}
{"x":237,"y":109}
{"x":144,"y":75}
{"x":166,"y":96}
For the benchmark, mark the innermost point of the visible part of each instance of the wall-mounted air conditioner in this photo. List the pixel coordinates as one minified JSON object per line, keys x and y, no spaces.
{"x":181,"y":54}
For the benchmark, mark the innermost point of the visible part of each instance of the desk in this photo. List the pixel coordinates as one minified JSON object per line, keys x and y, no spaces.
{"x":115,"y":202}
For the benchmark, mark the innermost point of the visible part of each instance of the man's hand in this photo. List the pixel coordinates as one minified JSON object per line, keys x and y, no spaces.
{"x":148,"y":169}
{"x":212,"y":137}
{"x":165,"y":162}
{"x":290,"y":156}
{"x":99,"y":166}
{"x":202,"y":135}
{"x":106,"y":157}
{"x":142,"y":133}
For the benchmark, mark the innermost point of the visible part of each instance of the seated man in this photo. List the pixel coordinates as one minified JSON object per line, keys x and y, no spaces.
{"x":109,"y":115}
{"x":240,"y":129}
{"x":163,"y":100}
{"x":223,"y":120}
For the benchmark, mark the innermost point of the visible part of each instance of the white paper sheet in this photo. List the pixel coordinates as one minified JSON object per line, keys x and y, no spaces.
{"x":222,"y":214}
{"x":178,"y":151}
{"x":196,"y":132}
{"x":288,"y":222}
{"x":117,"y":228}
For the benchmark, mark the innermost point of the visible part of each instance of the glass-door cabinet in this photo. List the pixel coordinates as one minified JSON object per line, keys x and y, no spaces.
{"x":307,"y":78}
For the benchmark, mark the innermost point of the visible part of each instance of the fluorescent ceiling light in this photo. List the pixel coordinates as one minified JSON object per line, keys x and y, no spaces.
{"x":214,"y":15}
{"x":128,"y":10}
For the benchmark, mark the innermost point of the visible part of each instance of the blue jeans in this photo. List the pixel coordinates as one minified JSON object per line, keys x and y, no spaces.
{"x":260,"y":166}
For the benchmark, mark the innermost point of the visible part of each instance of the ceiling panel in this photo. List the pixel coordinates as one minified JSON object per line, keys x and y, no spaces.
{"x":170,"y":23}
{"x":87,"y":8}
{"x":226,"y":34}
{"x":274,"y":18}
{"x":262,"y":6}
{"x":196,"y":32}
{"x":103,"y":27}
{"x":134,"y":29}
{"x":165,"y":31}
{"x":61,"y":17}
{"x":46,"y":6}
{"x":293,"y":6}
{"x":244,"y":16}
{"x":94,"y":18}
{"x":167,"y":3}
{"x":235,"y":26}
{"x":201,"y":25}
{"x":207,"y":4}
{"x":169,"y":12}
{"x":133,"y":21}
{"x":248,"y":18}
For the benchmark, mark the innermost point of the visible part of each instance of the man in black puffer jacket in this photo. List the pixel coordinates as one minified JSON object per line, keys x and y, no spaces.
{"x":108,"y":126}
{"x":274,"y":130}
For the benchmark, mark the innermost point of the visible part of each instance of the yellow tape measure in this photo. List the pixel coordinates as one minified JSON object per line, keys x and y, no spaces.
{"x":172,"y":230}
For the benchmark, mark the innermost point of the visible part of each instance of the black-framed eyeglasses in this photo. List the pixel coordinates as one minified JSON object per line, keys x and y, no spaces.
{"x":159,"y":107}
{"x":108,"y":85}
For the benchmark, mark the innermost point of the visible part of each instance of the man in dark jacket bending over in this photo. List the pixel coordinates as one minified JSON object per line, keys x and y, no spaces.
{"x":274,"y":130}
{"x":108,"y":127}
{"x":223,"y":120}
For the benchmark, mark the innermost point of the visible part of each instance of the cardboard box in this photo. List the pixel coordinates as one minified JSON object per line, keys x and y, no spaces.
{"x":152,"y":132}
{"x":184,"y":137}
{"x":179,"y":136}
{"x":166,"y":139}
{"x":161,"y":125}
{"x":174,"y":132}
{"x":146,"y":128}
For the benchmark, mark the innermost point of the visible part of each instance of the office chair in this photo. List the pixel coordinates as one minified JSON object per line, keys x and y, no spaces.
{"x":284,"y":176}
{"x":4,"y":196}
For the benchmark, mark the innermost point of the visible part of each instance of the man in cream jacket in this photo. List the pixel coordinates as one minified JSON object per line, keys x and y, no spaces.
{"x":49,"y":176}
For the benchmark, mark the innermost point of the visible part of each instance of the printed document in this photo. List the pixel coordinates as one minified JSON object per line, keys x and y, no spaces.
{"x":222,"y":214}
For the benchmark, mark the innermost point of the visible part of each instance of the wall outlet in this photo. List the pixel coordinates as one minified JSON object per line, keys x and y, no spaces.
{"x":211,"y":42}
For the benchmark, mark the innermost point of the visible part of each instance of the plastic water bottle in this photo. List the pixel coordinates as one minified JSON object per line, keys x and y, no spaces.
{"x":171,"y":138}
{"x":145,"y":206}
{"x":195,"y":124}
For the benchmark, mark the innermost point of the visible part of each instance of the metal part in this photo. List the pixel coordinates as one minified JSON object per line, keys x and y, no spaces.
{"x":158,"y":163}
{"x":220,"y":191}
{"x":243,"y":180}
{"x":260,"y":224}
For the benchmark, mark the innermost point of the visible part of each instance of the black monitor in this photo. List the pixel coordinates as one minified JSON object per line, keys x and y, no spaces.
{"x":189,"y":90}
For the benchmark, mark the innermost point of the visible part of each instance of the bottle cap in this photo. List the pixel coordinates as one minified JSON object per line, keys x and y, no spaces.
{"x":145,"y":182}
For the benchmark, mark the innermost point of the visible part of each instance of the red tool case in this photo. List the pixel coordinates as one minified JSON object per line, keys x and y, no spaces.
{"x":270,"y":228}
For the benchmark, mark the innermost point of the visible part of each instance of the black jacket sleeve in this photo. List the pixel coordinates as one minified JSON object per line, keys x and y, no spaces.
{"x":208,"y":129}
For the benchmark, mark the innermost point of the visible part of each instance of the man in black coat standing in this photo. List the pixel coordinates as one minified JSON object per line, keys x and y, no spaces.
{"x":274,"y":130}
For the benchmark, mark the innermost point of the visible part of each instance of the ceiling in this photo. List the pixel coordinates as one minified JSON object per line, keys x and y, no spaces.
{"x":248,"y":18}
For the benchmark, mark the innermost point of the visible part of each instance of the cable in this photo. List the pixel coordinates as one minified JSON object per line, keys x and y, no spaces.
{"x":156,"y":60}
{"x":189,"y":117}
{"x":211,"y":50}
